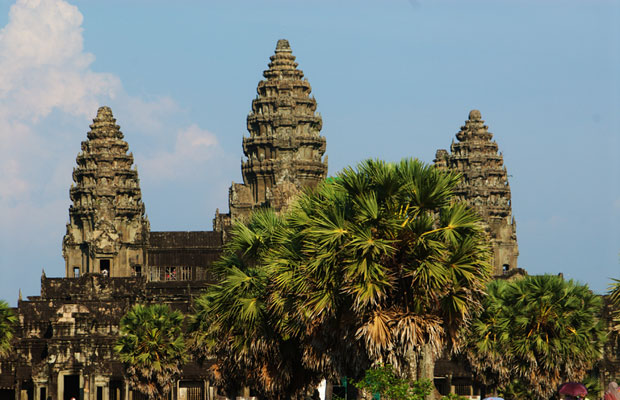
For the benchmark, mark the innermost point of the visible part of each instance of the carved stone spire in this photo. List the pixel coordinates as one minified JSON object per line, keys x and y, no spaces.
{"x":107,"y":227}
{"x":484,"y":186}
{"x":284,"y":150}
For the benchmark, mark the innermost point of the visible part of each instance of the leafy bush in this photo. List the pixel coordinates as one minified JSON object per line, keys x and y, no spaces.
{"x":384,"y":381}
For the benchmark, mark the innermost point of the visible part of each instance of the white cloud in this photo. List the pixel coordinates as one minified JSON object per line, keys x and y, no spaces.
{"x":13,"y":185}
{"x":45,"y":70}
{"x":44,"y":65}
{"x":148,"y":115}
{"x":46,"y":76}
{"x":193,"y":147}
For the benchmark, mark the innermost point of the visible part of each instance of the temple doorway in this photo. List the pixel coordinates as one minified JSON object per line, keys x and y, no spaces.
{"x":71,"y":387}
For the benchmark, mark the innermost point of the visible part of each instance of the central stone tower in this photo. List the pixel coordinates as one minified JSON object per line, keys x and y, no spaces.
{"x":285,"y":150}
{"x":107,"y":230}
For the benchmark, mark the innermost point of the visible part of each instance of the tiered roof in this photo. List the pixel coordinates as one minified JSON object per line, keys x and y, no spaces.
{"x":484,"y":186}
{"x":106,"y":185}
{"x":284,"y":150}
{"x":107,"y":220}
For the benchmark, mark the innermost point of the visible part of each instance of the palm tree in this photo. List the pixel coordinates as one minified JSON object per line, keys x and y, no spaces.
{"x":535,"y":333}
{"x":7,"y":328}
{"x":233,"y":323}
{"x":390,"y":263}
{"x":152,"y":348}
{"x":614,"y":302}
{"x":377,"y":265}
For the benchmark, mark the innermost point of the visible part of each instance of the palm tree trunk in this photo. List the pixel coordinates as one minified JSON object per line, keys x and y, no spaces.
{"x":427,"y":363}
{"x":422,"y":365}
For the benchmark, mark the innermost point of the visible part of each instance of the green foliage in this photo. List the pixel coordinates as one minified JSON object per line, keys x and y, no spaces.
{"x":453,"y":396}
{"x":614,"y":292}
{"x":614,"y":305}
{"x":516,"y":389}
{"x":372,"y":266}
{"x":593,"y":384}
{"x":388,"y":258}
{"x":535,"y":333}
{"x":7,"y":328}
{"x":235,"y":323}
{"x":384,"y":381}
{"x":152,"y":348}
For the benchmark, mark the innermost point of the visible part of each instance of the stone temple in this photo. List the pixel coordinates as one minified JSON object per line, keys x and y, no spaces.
{"x":285,"y":150}
{"x":64,"y":342}
{"x":107,"y":230}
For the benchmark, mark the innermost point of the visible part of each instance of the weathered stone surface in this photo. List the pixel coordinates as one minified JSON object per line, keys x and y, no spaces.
{"x":284,"y":150}
{"x":182,"y":256}
{"x":107,"y":229}
{"x":72,"y":329}
{"x":485,"y":187}
{"x":72,"y":326}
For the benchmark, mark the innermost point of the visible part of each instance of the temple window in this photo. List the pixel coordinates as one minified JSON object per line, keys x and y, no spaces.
{"x":104,"y":267}
{"x":76,"y":272}
{"x":171,"y":274}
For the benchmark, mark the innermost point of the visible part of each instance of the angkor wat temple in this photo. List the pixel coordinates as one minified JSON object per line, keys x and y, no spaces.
{"x":64,"y":342}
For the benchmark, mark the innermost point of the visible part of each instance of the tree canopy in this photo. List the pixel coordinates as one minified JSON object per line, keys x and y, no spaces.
{"x":614,"y":303}
{"x":7,"y":328}
{"x":371,"y":267}
{"x":535,"y":333}
{"x":384,"y":383}
{"x":152,"y":347}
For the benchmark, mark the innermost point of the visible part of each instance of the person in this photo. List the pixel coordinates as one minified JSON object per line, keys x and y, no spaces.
{"x":612,"y":392}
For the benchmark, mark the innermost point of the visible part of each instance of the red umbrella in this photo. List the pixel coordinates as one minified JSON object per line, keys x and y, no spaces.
{"x":574,"y":389}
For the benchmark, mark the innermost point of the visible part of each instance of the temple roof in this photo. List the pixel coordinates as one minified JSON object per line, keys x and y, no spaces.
{"x":104,"y":125}
{"x":106,"y":191}
{"x":484,"y":185}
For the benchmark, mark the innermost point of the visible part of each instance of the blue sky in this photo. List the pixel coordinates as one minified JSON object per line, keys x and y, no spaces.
{"x":392,"y":79}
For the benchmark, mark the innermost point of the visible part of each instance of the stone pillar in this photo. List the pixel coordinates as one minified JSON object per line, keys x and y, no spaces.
{"x":84,"y":387}
{"x":60,"y":391}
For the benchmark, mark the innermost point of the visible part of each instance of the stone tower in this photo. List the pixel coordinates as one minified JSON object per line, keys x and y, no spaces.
{"x":284,"y":150}
{"x":107,"y":229}
{"x":485,"y":187}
